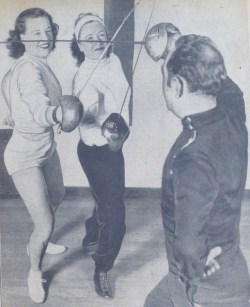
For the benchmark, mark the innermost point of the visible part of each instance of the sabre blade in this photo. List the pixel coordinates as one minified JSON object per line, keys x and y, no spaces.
{"x":70,"y":40}
{"x":151,"y":14}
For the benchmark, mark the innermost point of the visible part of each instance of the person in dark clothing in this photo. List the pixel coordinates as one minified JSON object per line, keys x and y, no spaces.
{"x":160,"y":41}
{"x":203,"y":181}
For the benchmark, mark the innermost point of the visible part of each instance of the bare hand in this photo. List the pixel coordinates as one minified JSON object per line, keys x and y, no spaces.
{"x":212,"y":264}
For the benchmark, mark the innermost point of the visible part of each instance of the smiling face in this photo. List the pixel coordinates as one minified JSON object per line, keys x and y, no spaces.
{"x":38,"y":29}
{"x":93,"y":31}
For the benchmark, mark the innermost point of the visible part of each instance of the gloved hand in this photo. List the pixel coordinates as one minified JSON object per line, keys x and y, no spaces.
{"x":69,"y":113}
{"x":114,"y":143}
{"x":115,"y":130}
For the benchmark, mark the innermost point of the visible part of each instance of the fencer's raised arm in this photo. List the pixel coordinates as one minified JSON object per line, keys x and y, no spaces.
{"x":34,"y":93}
{"x":160,"y":41}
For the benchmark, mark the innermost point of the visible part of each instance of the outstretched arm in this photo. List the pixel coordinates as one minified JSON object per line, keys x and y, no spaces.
{"x":33,"y":92}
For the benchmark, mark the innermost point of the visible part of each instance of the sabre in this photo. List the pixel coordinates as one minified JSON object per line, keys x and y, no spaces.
{"x":111,"y":126}
{"x":139,"y":54}
{"x":68,"y":99}
{"x":72,"y":109}
{"x":106,"y":48}
{"x":70,"y":40}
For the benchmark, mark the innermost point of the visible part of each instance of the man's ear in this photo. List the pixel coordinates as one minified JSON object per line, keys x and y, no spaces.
{"x":177,"y":85}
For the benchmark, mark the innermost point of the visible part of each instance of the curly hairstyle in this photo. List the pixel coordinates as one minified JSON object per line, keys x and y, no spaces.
{"x":199,"y":62}
{"x":75,"y":50}
{"x":14,"y":43}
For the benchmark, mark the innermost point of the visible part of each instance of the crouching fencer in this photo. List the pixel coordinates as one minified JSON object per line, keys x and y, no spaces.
{"x":36,"y":104}
{"x":203,"y":183}
{"x":103,"y":131}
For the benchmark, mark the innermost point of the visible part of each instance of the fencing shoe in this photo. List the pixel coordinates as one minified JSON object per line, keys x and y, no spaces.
{"x":102,"y":286}
{"x":35,"y":285}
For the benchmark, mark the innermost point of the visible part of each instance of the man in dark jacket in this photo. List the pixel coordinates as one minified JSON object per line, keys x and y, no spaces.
{"x":203,"y":182}
{"x":160,"y":41}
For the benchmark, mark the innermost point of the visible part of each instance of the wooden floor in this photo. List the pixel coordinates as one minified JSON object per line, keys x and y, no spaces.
{"x":140,"y":264}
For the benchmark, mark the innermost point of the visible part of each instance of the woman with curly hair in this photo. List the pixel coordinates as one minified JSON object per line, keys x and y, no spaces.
{"x":104,"y":93}
{"x":32,"y":94}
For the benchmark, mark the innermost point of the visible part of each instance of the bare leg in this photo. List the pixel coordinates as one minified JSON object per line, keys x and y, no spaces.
{"x":54,"y":180}
{"x":32,"y":188}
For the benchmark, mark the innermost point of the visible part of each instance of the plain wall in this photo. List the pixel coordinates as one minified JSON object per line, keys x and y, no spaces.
{"x":154,"y":128}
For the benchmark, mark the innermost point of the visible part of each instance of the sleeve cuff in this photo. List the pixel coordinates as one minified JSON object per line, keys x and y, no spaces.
{"x":51,"y":115}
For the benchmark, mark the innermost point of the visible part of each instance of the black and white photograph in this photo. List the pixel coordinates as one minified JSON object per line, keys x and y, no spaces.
{"x":124,"y":174}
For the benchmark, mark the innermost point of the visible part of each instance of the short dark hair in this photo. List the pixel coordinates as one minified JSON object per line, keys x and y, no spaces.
{"x":14,"y":43}
{"x":199,"y":62}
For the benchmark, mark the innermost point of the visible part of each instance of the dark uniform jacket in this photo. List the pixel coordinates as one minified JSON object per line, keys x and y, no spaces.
{"x":203,"y":184}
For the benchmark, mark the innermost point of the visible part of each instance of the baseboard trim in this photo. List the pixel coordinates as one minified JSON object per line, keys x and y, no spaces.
{"x":130,"y":192}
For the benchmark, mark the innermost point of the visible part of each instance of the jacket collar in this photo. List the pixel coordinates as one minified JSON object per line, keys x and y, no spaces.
{"x":195,"y":121}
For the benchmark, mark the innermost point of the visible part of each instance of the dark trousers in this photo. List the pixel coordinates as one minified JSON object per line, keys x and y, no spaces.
{"x":228,"y":287}
{"x":105,"y":172}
